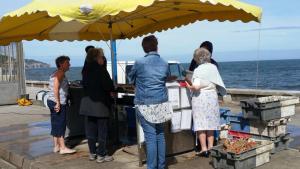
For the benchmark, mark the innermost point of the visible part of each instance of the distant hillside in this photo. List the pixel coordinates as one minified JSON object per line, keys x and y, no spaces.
{"x":31,"y":64}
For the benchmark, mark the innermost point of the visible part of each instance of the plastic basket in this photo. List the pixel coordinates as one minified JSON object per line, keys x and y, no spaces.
{"x":269,"y":108}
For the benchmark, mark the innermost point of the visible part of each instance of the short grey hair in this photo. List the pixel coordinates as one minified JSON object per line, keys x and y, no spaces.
{"x":202,"y":55}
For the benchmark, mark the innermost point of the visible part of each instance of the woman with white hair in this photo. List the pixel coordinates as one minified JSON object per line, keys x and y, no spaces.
{"x":96,"y":104}
{"x":206,"y":82}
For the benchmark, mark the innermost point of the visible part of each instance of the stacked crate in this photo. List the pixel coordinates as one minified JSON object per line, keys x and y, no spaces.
{"x":269,"y":108}
{"x":265,"y":118}
{"x":248,"y":159}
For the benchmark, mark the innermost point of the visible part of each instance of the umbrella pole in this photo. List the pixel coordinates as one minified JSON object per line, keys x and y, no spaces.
{"x":113,"y":53}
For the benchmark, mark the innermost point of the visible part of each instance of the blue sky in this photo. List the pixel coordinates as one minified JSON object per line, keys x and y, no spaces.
{"x":233,"y":41}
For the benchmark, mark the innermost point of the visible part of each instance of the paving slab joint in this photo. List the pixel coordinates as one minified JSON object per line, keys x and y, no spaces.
{"x":16,"y":159}
{"x":4,"y":154}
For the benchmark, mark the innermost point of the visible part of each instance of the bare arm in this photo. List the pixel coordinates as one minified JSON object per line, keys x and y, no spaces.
{"x":57,"y":80}
{"x":193,"y":87}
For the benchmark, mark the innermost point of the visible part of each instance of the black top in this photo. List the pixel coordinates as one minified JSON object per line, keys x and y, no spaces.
{"x":97,"y":83}
{"x":194,"y":65}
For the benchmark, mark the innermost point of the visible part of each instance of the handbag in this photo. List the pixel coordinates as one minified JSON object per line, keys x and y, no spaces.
{"x":88,"y":107}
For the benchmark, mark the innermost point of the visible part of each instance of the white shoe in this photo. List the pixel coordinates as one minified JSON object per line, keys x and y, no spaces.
{"x":55,"y":149}
{"x":107,"y":158}
{"x":67,"y":151}
{"x":93,"y":157}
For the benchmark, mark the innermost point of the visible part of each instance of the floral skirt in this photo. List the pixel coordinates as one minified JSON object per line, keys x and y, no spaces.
{"x":205,"y":109}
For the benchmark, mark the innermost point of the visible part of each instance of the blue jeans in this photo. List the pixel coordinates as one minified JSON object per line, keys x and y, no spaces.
{"x":155,"y":143}
{"x":58,"y":119}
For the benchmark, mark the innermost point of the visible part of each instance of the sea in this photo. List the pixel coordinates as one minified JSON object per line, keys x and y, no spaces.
{"x":269,"y":74}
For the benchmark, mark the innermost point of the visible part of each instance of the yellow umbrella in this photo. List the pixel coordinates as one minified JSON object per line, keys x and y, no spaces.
{"x":117,"y":19}
{"x":114,"y":19}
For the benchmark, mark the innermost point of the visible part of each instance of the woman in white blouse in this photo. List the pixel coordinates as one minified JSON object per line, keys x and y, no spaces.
{"x":206,"y":83}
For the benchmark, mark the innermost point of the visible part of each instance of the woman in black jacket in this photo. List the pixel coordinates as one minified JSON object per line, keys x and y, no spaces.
{"x":209,"y":46}
{"x":96,"y":105}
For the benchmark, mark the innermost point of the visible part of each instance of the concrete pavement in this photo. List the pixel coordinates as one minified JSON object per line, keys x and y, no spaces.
{"x":25,"y":143}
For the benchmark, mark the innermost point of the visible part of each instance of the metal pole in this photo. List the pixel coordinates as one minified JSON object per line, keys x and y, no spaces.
{"x":21,"y":68}
{"x":113,"y":53}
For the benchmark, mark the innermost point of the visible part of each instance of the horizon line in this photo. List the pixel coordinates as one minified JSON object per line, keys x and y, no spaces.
{"x":217,"y":61}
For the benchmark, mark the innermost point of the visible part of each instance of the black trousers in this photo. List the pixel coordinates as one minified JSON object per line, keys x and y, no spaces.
{"x":96,"y":132}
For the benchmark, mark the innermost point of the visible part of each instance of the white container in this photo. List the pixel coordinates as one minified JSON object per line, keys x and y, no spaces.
{"x":174,"y":94}
{"x":185,"y":98}
{"x":176,"y":122}
{"x":45,"y":98}
{"x":186,"y":119}
{"x":40,"y":94}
